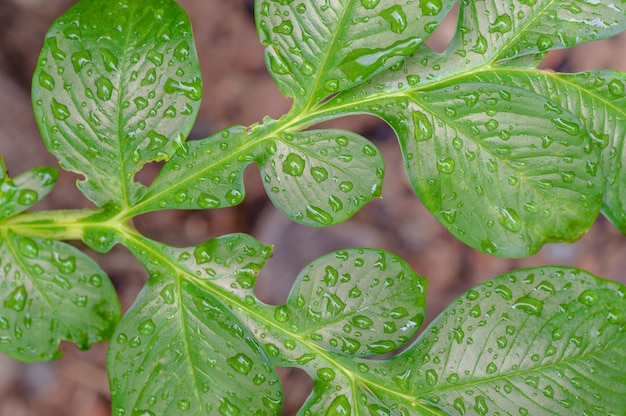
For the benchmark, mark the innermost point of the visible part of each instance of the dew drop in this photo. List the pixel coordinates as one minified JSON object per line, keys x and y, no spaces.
{"x":481,"y":45}
{"x":381,"y":347}
{"x":80,"y":60}
{"x":294,"y":165}
{"x":334,"y":305}
{"x":208,"y":201}
{"x":481,"y":406}
{"x":27,"y":197}
{"x":59,"y":110}
{"x":396,"y":18}
{"x":17,"y":299}
{"x":362,"y":322}
{"x":544,"y":43}
{"x":147,"y":327}
{"x":167,"y":294}
{"x":46,"y":80}
{"x":504,"y":291}
{"x":284,"y":28}
{"x":345,"y":186}
{"x":281,"y":313}
{"x":191,"y":90}
{"x":431,"y":377}
{"x":502,"y":24}
{"x":458,"y":334}
{"x":491,"y":125}
{"x":588,"y":297}
{"x":340,"y":406}
{"x":529,"y":305}
{"x":326,"y":374}
{"x":423,"y":127}
{"x":557,"y":334}
{"x":318,"y":215}
{"x":568,"y":126}
{"x":449,"y":215}
{"x":445,"y":165}
{"x":431,"y":7}
{"x":331,"y":85}
{"x":319,"y":174}
{"x":369,"y":4}
{"x":241,"y":363}
{"x":616,"y":87}
{"x":110,"y":60}
{"x":509,"y":218}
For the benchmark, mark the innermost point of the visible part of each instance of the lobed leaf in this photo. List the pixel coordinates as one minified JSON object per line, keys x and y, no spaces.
{"x":197,"y":333}
{"x":180,"y":347}
{"x":548,"y":340}
{"x":50,"y":292}
{"x":315,"y":49}
{"x":500,"y":31}
{"x":25,"y":190}
{"x":316,"y":178}
{"x":321,"y":177}
{"x":507,"y":157}
{"x":356,"y":302}
{"x":113,"y":91}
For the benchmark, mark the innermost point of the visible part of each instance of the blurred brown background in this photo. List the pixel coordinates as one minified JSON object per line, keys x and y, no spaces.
{"x":238,"y":90}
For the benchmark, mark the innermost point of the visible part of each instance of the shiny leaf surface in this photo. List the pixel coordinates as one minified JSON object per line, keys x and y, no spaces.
{"x":548,"y":340}
{"x":315,"y":49}
{"x":117,"y":85}
{"x":50,"y":292}
{"x":25,"y":190}
{"x":507,"y":157}
{"x":200,"y":302}
{"x":316,"y":178}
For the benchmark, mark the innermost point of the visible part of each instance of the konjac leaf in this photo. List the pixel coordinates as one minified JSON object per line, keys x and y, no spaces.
{"x":315,"y":49}
{"x":548,"y":340}
{"x":117,"y":85}
{"x":180,"y":348}
{"x":25,"y":190}
{"x":506,"y":156}
{"x":316,"y":178}
{"x":50,"y":291}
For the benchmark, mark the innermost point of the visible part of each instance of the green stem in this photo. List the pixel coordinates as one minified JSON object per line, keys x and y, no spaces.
{"x":58,"y":224}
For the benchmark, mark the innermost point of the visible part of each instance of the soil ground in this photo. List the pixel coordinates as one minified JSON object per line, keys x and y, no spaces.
{"x":238,"y":90}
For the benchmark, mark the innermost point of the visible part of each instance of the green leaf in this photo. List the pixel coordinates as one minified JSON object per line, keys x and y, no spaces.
{"x":200,"y":302}
{"x":212,"y":178}
{"x":316,"y":178}
{"x":180,"y":347}
{"x":50,"y":291}
{"x":502,"y":31}
{"x":315,"y":49}
{"x":338,"y":305}
{"x":321,"y":177}
{"x":117,"y":85}
{"x":507,"y":157}
{"x":25,"y":190}
{"x":603,"y":104}
{"x":548,"y":340}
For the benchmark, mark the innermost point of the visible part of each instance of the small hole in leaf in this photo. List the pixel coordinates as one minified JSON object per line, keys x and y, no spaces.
{"x":148,"y":173}
{"x":297,"y":386}
{"x":441,"y":37}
